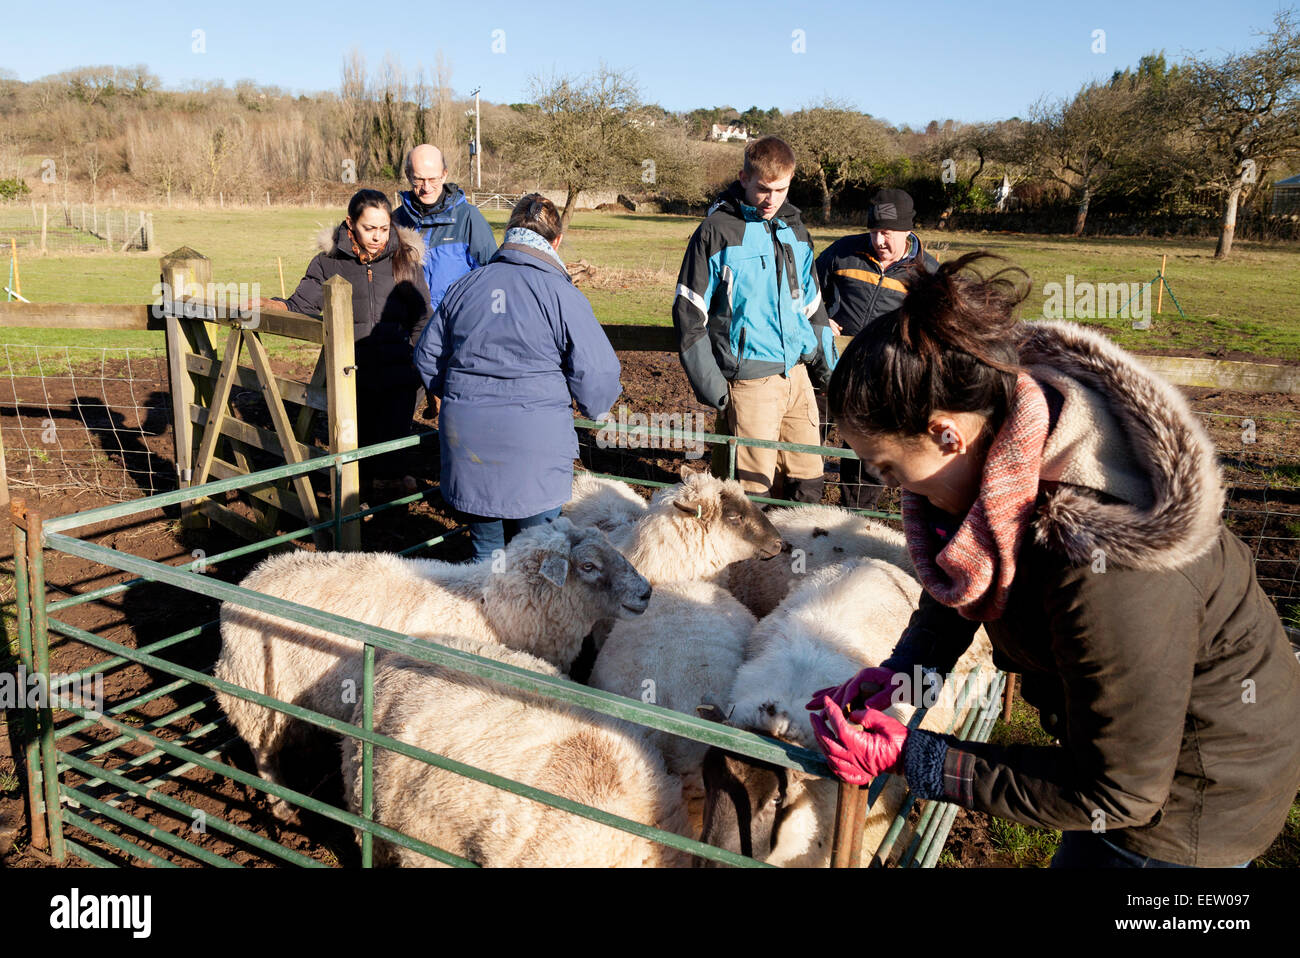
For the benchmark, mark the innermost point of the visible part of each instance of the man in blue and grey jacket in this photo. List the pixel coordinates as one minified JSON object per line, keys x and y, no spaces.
{"x":456,"y":237}
{"x":752,"y":331}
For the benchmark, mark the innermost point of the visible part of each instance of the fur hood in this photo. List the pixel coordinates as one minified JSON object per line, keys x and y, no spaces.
{"x":404,"y":244}
{"x":1175,"y":515}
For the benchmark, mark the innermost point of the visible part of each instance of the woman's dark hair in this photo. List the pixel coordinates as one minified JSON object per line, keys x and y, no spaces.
{"x":535,"y":212}
{"x":363,"y":200}
{"x":405,"y":269}
{"x":952,"y":345}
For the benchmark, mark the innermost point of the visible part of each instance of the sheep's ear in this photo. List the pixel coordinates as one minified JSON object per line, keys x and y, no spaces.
{"x":690,"y":507}
{"x":555,"y":569}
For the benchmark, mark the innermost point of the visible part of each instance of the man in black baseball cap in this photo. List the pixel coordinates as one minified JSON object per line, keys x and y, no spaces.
{"x":863,"y":276}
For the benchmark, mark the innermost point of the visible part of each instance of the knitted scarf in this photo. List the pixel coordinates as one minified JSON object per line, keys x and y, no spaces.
{"x":363,"y":255}
{"x":972,"y":568}
{"x":526,"y":237}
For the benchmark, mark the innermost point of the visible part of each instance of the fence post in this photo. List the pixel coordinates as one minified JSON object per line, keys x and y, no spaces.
{"x":4,"y":475}
{"x":339,"y":358}
{"x":30,"y":741}
{"x":179,"y":269}
{"x":45,"y":220}
{"x":148,"y":237}
{"x":850,"y":817}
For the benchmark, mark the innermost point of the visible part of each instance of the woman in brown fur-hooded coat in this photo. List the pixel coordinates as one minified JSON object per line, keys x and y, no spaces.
{"x":1064,"y":496}
{"x":390,"y":307}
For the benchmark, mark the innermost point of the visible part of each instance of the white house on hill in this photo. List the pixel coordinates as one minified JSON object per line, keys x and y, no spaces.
{"x":732,"y":131}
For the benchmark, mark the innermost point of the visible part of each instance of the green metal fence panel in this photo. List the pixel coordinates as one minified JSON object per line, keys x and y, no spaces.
{"x":184,"y":577}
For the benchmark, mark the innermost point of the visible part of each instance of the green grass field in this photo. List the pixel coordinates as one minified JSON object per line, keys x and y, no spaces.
{"x":1247,"y":304}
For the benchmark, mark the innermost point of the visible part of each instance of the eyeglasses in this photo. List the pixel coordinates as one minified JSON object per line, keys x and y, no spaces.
{"x":422,"y":180}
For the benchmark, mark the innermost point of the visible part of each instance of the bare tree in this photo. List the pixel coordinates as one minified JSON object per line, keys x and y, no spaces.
{"x":1079,"y":142}
{"x":1247,"y":115}
{"x":585,"y":132}
{"x":835,"y":145}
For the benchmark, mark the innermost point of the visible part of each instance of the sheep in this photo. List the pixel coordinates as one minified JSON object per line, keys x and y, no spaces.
{"x":554,"y":583}
{"x":685,"y":650}
{"x":593,"y":759}
{"x":604,"y":503}
{"x":695,"y":530}
{"x":814,"y":536}
{"x":842,"y":618}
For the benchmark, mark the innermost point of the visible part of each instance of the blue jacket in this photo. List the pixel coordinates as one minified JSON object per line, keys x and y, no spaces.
{"x":509,"y":348}
{"x":456,"y":238}
{"x":748,"y":304}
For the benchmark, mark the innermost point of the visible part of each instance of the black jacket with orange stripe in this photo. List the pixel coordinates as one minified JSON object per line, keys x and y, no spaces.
{"x":855,"y":289}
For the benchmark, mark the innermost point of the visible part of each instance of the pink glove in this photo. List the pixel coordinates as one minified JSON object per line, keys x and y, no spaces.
{"x":861,"y":746}
{"x":844,"y":695}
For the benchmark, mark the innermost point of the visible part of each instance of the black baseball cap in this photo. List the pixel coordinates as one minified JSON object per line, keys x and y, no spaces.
{"x":890,"y":210}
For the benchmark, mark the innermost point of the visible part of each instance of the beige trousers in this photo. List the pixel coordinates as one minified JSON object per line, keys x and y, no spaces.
{"x":778,"y":407}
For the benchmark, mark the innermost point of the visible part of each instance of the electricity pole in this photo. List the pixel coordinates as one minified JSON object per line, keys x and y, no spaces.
{"x":476,"y":148}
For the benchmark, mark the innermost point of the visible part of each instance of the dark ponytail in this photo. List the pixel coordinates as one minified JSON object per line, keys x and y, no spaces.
{"x":952,"y":345}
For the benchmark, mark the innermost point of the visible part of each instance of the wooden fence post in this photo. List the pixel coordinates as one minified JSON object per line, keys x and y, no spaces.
{"x":339,"y":359}
{"x":180,"y":269}
{"x":45,"y":221}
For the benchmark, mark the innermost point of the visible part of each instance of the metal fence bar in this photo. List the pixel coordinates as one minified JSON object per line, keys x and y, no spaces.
{"x":261,"y":843}
{"x":118,"y":842}
{"x":41,"y":659}
{"x":86,"y":855}
{"x":152,"y":832}
{"x":699,"y":729}
{"x":74,"y":727}
{"x":26,"y":656}
{"x":343,"y":728}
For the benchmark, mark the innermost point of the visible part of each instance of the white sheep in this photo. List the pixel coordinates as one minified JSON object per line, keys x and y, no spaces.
{"x":571,"y":752}
{"x":542,"y":596}
{"x":842,"y":618}
{"x":685,"y":649}
{"x":814,"y":536}
{"x":684,"y":652}
{"x":604,"y":503}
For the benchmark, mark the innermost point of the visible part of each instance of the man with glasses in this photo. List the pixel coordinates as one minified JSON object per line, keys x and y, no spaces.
{"x":457,"y":238}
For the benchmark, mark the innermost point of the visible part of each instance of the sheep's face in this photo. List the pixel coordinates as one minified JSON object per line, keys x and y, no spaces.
{"x":737,"y":527}
{"x":747,"y":801}
{"x":607,"y":575}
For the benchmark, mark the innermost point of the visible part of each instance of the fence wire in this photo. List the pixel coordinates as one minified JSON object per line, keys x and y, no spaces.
{"x":87,"y":418}
{"x":72,"y":227}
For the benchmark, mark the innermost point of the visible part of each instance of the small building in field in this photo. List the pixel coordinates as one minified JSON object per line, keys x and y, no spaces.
{"x":1286,"y":197}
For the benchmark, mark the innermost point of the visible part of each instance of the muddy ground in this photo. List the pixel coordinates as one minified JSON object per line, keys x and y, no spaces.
{"x":115,"y":444}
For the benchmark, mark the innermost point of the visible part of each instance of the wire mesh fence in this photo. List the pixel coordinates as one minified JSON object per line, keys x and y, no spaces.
{"x":73,"y":227}
{"x":87,"y":418}
{"x":1259,"y":451}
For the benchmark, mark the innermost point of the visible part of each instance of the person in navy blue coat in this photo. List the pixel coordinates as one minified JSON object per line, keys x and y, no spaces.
{"x":511,"y":345}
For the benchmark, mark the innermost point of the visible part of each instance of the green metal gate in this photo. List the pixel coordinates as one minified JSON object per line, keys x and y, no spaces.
{"x":84,"y":788}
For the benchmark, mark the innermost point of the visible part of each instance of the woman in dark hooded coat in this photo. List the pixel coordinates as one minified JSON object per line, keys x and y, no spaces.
{"x":390,"y":307}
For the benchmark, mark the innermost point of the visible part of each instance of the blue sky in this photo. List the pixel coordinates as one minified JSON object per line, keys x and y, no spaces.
{"x":904,"y":62}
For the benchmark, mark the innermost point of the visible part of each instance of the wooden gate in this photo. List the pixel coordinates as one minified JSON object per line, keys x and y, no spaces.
{"x":211,"y":443}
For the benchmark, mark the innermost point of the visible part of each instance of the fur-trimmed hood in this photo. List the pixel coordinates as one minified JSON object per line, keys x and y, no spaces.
{"x":1171,"y":518}
{"x":404,"y":244}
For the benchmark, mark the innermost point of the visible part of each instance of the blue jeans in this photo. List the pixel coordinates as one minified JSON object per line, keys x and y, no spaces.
{"x":1093,"y":850}
{"x":486,"y":534}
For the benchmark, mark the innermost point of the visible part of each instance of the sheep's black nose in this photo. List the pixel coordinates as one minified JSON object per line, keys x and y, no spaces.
{"x":645,"y":596}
